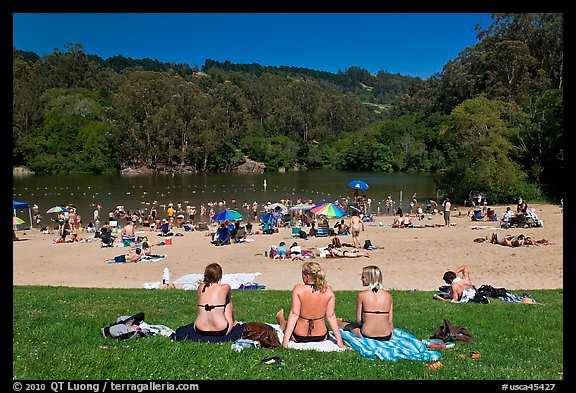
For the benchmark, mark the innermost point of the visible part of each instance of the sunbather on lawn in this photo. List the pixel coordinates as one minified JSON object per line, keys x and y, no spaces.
{"x":215,"y":310}
{"x":313,"y":302}
{"x":373,"y":308}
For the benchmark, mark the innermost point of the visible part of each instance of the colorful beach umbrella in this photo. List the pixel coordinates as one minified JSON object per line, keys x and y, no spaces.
{"x":358,"y":184}
{"x":17,"y":220}
{"x":330,"y":210}
{"x":57,"y":209}
{"x":227,"y":215}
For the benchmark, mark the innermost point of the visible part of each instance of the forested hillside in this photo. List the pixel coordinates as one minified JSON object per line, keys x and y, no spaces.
{"x":492,"y":119}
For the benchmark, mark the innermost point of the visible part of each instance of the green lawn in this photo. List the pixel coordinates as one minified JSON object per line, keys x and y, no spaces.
{"x":57,"y":336}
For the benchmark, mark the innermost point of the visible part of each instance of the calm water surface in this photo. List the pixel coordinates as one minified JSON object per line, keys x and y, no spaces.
{"x":140,"y":192}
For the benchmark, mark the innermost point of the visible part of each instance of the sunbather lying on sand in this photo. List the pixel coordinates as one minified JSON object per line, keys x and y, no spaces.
{"x":334,"y":252}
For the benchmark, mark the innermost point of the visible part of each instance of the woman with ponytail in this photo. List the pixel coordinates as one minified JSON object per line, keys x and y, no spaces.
{"x":313,"y":302}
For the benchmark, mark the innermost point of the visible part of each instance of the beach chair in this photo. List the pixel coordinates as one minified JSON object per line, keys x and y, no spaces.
{"x":221,"y":237}
{"x":240,"y":235}
{"x":321,"y":232}
{"x":296,"y":231}
{"x":106,"y":238}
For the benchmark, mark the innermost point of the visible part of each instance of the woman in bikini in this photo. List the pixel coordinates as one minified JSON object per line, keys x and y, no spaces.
{"x":346,"y":253}
{"x":373,"y":308}
{"x":312,"y":303}
{"x":215,"y":311}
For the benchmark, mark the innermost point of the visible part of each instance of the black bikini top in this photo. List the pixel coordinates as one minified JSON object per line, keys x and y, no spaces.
{"x":310,"y":323}
{"x":208,"y":307}
{"x":311,"y":320}
{"x":376,"y":312}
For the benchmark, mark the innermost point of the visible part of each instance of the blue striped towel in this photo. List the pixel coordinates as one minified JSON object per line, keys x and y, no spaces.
{"x":402,"y":345}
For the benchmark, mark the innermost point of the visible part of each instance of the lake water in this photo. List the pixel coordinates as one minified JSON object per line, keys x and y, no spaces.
{"x":140,"y":192}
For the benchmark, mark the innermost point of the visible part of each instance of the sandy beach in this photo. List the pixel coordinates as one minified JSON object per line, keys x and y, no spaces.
{"x":411,"y":258}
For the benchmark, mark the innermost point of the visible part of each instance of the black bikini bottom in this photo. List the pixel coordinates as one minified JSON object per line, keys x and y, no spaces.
{"x":385,"y":338}
{"x":355,"y":325}
{"x":212,"y":332}
{"x":309,"y":339}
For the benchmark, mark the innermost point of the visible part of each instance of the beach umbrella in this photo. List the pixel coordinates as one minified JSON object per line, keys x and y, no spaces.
{"x":226,"y":215}
{"x":358,"y":184}
{"x":278,"y":207}
{"x":302,"y":206}
{"x":330,"y":210}
{"x":17,"y":221}
{"x":57,"y":209}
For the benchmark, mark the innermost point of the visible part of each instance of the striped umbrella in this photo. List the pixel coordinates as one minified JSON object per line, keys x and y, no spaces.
{"x":330,"y":210}
{"x":57,"y":209}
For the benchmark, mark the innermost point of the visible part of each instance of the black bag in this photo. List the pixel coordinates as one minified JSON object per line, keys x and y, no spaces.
{"x":303,"y":235}
{"x":490,"y":291}
{"x":479,"y":298}
{"x":449,"y":332}
{"x":368,"y":245}
{"x":123,"y":329}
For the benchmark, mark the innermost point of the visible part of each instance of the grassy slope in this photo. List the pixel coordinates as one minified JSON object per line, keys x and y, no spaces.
{"x":57,"y":336}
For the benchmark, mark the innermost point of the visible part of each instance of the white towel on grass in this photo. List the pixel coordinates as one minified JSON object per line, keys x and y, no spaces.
{"x":322,"y":346}
{"x":191,"y":281}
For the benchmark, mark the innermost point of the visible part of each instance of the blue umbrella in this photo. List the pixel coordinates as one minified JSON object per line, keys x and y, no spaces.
{"x":359,"y":184}
{"x":227,"y":215}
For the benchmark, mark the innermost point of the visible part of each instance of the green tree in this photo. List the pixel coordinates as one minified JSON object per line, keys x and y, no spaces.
{"x":478,"y":137}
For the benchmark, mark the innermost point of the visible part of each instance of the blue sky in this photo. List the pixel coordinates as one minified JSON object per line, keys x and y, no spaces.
{"x":415,"y":44}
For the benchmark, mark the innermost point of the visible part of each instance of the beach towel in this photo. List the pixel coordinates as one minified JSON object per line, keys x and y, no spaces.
{"x":402,"y":345}
{"x":513,"y":298}
{"x":328,"y":345}
{"x":191,"y":281}
{"x":153,"y":258}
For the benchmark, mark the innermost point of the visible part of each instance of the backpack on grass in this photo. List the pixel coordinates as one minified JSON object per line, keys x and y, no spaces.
{"x":125,"y":327}
{"x":490,"y":291}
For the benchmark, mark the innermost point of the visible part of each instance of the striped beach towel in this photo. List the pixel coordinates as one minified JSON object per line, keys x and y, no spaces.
{"x":402,"y":345}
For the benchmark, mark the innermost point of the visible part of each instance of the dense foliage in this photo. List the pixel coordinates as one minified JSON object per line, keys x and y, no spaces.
{"x":491,"y":120}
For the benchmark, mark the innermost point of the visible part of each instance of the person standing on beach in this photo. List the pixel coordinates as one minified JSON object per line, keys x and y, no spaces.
{"x":356,"y":226}
{"x":255,"y":210}
{"x":96,"y":212}
{"x":447,"y":208}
